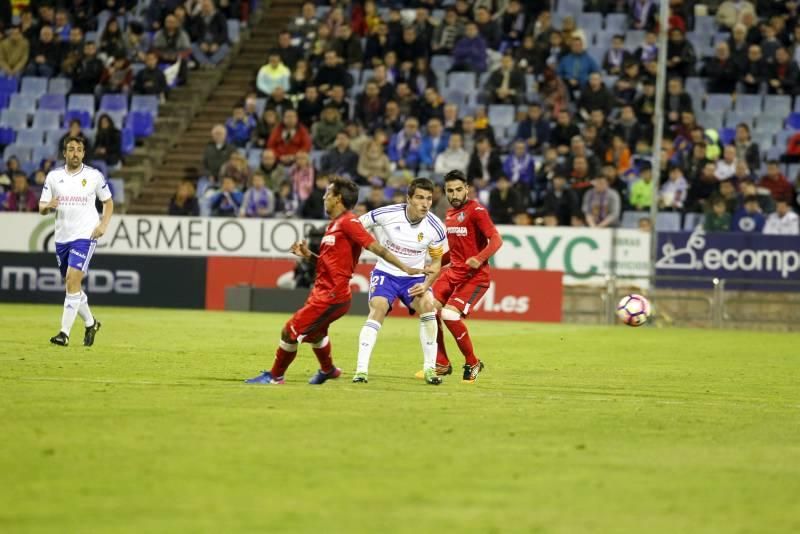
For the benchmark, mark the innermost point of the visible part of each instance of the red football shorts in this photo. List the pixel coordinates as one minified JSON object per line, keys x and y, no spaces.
{"x":459,"y":293}
{"x":313,"y":319}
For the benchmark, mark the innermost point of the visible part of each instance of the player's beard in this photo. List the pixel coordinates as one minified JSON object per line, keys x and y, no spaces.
{"x":457,"y":203}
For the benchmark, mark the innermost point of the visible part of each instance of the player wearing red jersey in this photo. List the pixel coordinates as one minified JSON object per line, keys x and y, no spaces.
{"x":339,"y":251}
{"x":472,"y":239}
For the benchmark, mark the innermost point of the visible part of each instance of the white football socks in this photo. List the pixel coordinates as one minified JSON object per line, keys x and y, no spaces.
{"x":85,"y":312}
{"x":71,"y":304}
{"x":366,"y":342}
{"x":428,"y":330}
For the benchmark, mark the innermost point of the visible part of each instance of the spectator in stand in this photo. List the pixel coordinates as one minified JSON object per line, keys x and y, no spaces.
{"x":447,"y":33}
{"x":643,"y":14}
{"x":279,"y":101}
{"x":306,"y":25}
{"x":45,"y":55}
{"x":273,"y":171}
{"x":14,"y":51}
{"x":340,"y":159}
{"x":217,"y":152}
{"x":527,"y":55}
{"x":601,"y":205}
{"x":518,"y":167}
{"x":642,"y":189}
{"x":406,"y":100}
{"x":409,"y":48}
{"x":595,"y":95}
{"x":434,"y":142}
{"x":314,"y":205}
{"x":563,"y":132}
{"x":422,"y":77}
{"x":376,"y":198}
{"x":301,"y":174}
{"x":209,"y":32}
{"x":75,"y":130}
{"x":240,"y":126}
{"x":377,"y":45}
{"x":71,"y":52}
{"x":157,"y":10}
{"x":451,"y":122}
{"x":784,"y":221}
{"x":702,"y":188}
{"x":676,"y":101}
{"x":534,"y":130}
{"x":784,"y":75}
{"x":300,"y":78}
{"x":117,"y":76}
{"x":391,"y":121}
{"x":136,"y":41}
{"x":506,"y":85}
{"x":88,"y":71}
{"x":454,"y":158}
{"x":404,"y":146}
{"x":615,"y":59}
{"x":726,"y":165}
{"x":184,"y":202}
{"x":21,"y":197}
{"x":237,"y":168}
{"x":324,"y":131}
{"x":731,"y":11}
{"x":469,"y":53}
{"x":348,"y":47}
{"x":721,"y":70}
{"x":289,"y":138}
{"x":575,"y":67}
{"x":228,"y":201}
{"x":286,"y":203}
{"x":728,"y":192}
{"x":331,"y":73}
{"x":554,"y":92}
{"x":488,"y":27}
{"x":561,"y":201}
{"x":485,"y":166}
{"x":749,"y":218}
{"x":718,"y":218}
{"x":504,"y":202}
{"x":112,"y":41}
{"x":774,"y":181}
{"x":173,"y":45}
{"x":322,"y":42}
{"x":754,"y":70}
{"x":107,"y":141}
{"x":674,"y":190}
{"x":289,"y":53}
{"x":369,"y":106}
{"x":770,"y":43}
{"x":681,"y":57}
{"x":264,"y":126}
{"x":310,"y":106}
{"x":629,"y":128}
{"x":272,"y":75}
{"x":150,"y":80}
{"x":619,"y":154}
{"x":373,"y":165}
{"x":513,"y":22}
{"x":338,"y":98}
{"x":61,"y":25}
{"x":258,"y":201}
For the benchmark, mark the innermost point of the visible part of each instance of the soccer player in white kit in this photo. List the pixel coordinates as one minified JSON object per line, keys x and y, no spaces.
{"x":70,"y":192}
{"x":411,"y":232}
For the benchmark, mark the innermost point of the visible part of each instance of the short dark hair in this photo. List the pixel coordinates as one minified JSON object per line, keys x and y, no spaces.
{"x":455,"y":174}
{"x":74,"y":138}
{"x":420,"y":183}
{"x":345,"y":188}
{"x":750,"y":198}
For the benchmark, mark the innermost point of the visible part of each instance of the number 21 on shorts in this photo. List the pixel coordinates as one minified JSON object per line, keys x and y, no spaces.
{"x":376,"y":280}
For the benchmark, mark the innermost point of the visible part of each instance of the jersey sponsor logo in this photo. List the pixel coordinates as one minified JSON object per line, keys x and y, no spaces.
{"x":460,"y":231}
{"x":397,"y":249}
{"x":508,"y":304}
{"x":18,"y":278}
{"x":328,"y":240}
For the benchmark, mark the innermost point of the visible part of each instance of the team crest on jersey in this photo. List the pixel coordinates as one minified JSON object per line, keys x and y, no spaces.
{"x":460,"y":217}
{"x":83,"y":182}
{"x":420,"y":237}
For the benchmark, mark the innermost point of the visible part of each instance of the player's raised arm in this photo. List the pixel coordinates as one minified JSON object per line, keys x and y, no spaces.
{"x":489,"y":230}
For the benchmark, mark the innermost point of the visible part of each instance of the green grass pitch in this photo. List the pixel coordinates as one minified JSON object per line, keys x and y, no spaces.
{"x":570,"y":429}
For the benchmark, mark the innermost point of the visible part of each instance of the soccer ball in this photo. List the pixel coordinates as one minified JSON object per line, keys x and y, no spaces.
{"x":633,"y":310}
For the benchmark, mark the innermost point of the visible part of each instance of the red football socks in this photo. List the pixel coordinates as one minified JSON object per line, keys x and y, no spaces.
{"x":283,"y":359}
{"x":441,"y":351}
{"x":460,"y":333}
{"x":323,"y":355}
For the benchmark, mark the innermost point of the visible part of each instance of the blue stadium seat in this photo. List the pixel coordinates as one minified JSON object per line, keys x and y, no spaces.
{"x":501,"y":115}
{"x":114,"y":102}
{"x":5,"y":99}
{"x":83,"y":116}
{"x":142,"y":124}
{"x":9,"y":84}
{"x":749,"y":103}
{"x":42,"y":152}
{"x":34,"y":85}
{"x":90,"y":37}
{"x":780,"y":105}
{"x":14,"y":118}
{"x":316,"y":158}
{"x":668,"y":221}
{"x":7,"y":135}
{"x":691,"y":221}
{"x":29,"y":137}
{"x":769,"y":123}
{"x":705,"y":25}
{"x":261,"y":103}
{"x":569,"y":7}
{"x":630,"y":219}
{"x":53,"y":102}
{"x":254,"y":157}
{"x":733,"y":118}
{"x":455,"y":96}
{"x":461,"y":80}
{"x":793,"y":172}
{"x":717,"y":102}
{"x":148,"y":104}
{"x":695,"y":86}
{"x":233,"y":31}
{"x":765,"y":139}
{"x":128,"y":141}
{"x":45,"y":119}
{"x":589,"y":21}
{"x":775,"y":152}
{"x":727,"y":135}
{"x":81,"y":102}
{"x":22,"y":153}
{"x":117,"y":186}
{"x":616,"y":22}
{"x":782,"y":138}
{"x":53,"y":137}
{"x":602,"y":40}
{"x":793,"y":121}
{"x":634,"y":39}
{"x":441,"y":62}
{"x":23,"y":102}
{"x":59,"y":85}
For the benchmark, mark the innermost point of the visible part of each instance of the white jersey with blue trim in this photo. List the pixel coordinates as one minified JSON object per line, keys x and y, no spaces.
{"x":410,"y":242}
{"x":76,"y":215}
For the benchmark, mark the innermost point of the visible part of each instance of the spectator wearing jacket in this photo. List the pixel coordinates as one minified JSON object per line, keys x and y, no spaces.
{"x":209,"y":32}
{"x":289,"y":138}
{"x":469,"y":53}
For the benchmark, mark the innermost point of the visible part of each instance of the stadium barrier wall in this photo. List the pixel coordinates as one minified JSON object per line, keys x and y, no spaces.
{"x":514,"y":294}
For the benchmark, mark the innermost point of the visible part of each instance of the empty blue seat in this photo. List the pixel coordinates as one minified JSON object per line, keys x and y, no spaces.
{"x":9,"y":84}
{"x":695,"y":86}
{"x":782,"y":138}
{"x":128,"y":141}
{"x":746,"y":102}
{"x":668,"y":221}
{"x":23,"y":102}
{"x":149,"y":104}
{"x":705,"y":25}
{"x":778,"y":105}
{"x":141,"y":122}
{"x":42,"y":152}
{"x":59,"y":86}
{"x":717,"y":102}
{"x":53,"y":102}
{"x":34,"y":85}
{"x":117,"y":117}
{"x":589,"y":21}
{"x":81,"y":102}
{"x":501,"y":115}
{"x":569,"y":7}
{"x":692,"y":220}
{"x":462,"y":80}
{"x":616,"y":22}
{"x":22,"y":153}
{"x":53,"y":137}
{"x":793,"y":172}
{"x":45,"y":119}
{"x":793,"y":121}
{"x":630,"y":219}
{"x":734,"y":118}
{"x":83,"y":116}
{"x":29,"y":137}
{"x":454,"y":96}
{"x":769,"y":123}
{"x":5,"y":99}
{"x":14,"y":118}
{"x":7,"y":135}
{"x":117,"y":186}
{"x":775,"y":152}
{"x":233,"y":31}
{"x":114,"y":102}
{"x":90,"y":37}
{"x":634,"y":39}
{"x":254,"y":157}
{"x":441,"y":62}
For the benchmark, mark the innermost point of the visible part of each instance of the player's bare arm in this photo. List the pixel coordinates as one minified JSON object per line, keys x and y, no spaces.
{"x":381,"y":251}
{"x":301,"y":250}
{"x":420,"y":289}
{"x":48,"y":207}
{"x":108,"y":210}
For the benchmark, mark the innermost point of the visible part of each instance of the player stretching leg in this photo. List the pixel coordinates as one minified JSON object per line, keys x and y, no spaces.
{"x":339,"y":251}
{"x":70,"y":192}
{"x":411,"y":232}
{"x":472,"y":239}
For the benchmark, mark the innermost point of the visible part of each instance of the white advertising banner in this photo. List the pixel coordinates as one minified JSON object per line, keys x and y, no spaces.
{"x":583,"y":254}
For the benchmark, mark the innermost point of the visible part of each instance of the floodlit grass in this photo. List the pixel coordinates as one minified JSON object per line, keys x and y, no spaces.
{"x":570,"y":429}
